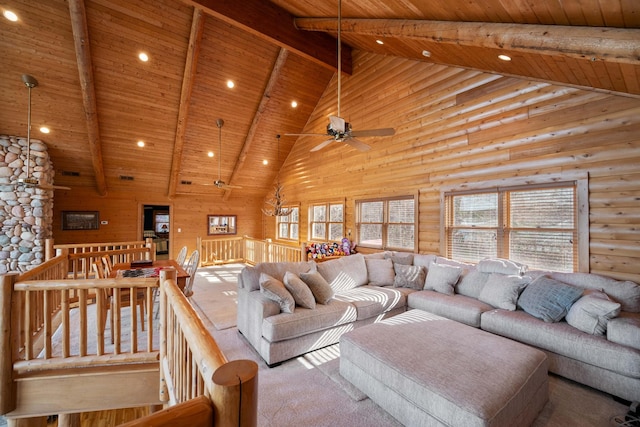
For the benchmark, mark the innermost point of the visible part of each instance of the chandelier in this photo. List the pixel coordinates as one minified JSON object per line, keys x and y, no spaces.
{"x":275,"y":205}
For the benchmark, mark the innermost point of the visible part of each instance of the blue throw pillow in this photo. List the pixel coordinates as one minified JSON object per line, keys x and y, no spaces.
{"x":548,"y":299}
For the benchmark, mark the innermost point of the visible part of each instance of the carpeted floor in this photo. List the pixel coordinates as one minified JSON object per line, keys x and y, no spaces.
{"x":310,"y":391}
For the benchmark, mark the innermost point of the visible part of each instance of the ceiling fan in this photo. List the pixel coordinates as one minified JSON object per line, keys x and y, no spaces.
{"x":30,"y":82}
{"x":338,"y":128}
{"x":219,"y":182}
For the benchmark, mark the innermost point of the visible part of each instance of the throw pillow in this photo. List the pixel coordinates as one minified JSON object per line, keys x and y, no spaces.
{"x":274,"y":290}
{"x":442,"y":278}
{"x":405,"y":259}
{"x":471,"y":283}
{"x":299,"y":290}
{"x":345,"y":273}
{"x":502,"y":291}
{"x":592,"y":312}
{"x":548,"y":299}
{"x":380,"y":272}
{"x":320,"y":288}
{"x":409,"y":276}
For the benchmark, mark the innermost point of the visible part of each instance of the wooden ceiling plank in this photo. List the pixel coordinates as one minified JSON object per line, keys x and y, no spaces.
{"x":80,"y":30}
{"x":271,"y":22}
{"x":195,"y":40}
{"x":266,"y":96}
{"x":620,"y":45}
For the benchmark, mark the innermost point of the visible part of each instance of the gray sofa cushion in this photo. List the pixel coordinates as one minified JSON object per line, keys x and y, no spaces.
{"x":592,"y":312}
{"x":380,"y":271}
{"x":502,"y":291}
{"x":424,"y":260}
{"x":625,"y":330}
{"x":548,"y":299}
{"x":299,"y":290}
{"x":409,"y":276}
{"x":371,"y":301}
{"x":275,"y":290}
{"x":471,"y":283}
{"x":502,"y":266}
{"x":442,"y":278}
{"x":250,"y":276}
{"x":345,"y":273}
{"x":304,"y":321}
{"x":627,"y":293}
{"x":460,"y":308}
{"x":320,"y":288}
{"x":563,"y":339}
{"x":400,"y":258}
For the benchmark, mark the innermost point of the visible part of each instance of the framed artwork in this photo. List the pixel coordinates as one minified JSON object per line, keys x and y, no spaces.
{"x":221,"y":224}
{"x":80,"y":220}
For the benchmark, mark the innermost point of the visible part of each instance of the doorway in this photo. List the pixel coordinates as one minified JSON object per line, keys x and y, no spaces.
{"x":156,"y":224}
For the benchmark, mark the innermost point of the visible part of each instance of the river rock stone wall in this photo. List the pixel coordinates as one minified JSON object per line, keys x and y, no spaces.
{"x":26,"y":213}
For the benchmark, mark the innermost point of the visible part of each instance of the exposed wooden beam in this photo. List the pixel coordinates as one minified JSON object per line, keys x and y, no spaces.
{"x":85,"y":70}
{"x":193,"y":51}
{"x":592,"y":43}
{"x":266,"y":96}
{"x":271,"y":22}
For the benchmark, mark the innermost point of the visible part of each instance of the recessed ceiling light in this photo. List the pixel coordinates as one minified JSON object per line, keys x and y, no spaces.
{"x":426,"y":53}
{"x":294,"y":104}
{"x":210,"y":154}
{"x":504,"y":57}
{"x":230,"y":84}
{"x":44,"y":129}
{"x":265,"y":162}
{"x":140,"y":143}
{"x":379,"y":41}
{"x":143,"y":57}
{"x":10,"y":15}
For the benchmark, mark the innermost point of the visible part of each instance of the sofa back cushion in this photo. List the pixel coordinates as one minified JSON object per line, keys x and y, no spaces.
{"x":471,"y":283}
{"x":345,"y":273}
{"x":250,"y":276}
{"x":627,"y":293}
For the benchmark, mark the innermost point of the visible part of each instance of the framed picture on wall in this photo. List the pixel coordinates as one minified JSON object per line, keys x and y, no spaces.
{"x":221,"y":224}
{"x":80,"y":220}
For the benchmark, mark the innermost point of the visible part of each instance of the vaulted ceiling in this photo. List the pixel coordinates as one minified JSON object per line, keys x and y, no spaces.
{"x":99,"y":99}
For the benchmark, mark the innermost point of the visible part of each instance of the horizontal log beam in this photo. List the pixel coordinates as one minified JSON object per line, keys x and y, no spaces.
{"x":620,"y":45}
{"x":275,"y":24}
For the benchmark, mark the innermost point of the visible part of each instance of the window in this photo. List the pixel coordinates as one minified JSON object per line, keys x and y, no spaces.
{"x":387,"y":223}
{"x":536,"y":225}
{"x":327,"y":221}
{"x":288,"y":224}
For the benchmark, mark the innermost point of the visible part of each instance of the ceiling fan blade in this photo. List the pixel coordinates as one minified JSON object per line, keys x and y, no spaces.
{"x":337,"y":123}
{"x":373,"y":132}
{"x":357,"y":144}
{"x":322,"y":145}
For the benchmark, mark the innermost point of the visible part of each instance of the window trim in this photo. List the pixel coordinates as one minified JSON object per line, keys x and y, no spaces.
{"x":278,"y":222}
{"x":385,"y":223}
{"x":581,"y":180}
{"x":327,"y":223}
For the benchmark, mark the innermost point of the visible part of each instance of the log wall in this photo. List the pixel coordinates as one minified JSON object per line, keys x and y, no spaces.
{"x":124,"y":214}
{"x":456,"y":126}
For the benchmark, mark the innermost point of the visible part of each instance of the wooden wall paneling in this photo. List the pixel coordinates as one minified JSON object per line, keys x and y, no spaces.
{"x":519,"y":129}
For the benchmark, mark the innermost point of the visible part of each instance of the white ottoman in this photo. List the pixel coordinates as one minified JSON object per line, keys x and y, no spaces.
{"x":426,"y":370}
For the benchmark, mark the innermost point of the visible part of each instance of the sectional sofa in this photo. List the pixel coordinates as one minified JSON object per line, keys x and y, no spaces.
{"x":588,"y":325}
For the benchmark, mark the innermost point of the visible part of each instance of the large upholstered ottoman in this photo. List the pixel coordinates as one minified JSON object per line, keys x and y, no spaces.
{"x":426,"y":370}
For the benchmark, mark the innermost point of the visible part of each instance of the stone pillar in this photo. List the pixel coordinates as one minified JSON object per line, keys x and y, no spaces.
{"x":26,"y":212}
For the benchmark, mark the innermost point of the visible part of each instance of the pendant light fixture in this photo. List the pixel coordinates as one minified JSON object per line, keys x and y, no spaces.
{"x":276,"y":203}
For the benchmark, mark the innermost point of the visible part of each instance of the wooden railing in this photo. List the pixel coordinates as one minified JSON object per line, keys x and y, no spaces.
{"x":57,"y":358}
{"x":193,"y":365}
{"x":81,"y":256}
{"x":246,"y":249}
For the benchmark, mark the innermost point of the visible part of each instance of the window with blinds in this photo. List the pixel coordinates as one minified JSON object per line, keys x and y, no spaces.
{"x":534,"y":225}
{"x":288,"y":225}
{"x":387,"y":223}
{"x":327,"y":221}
